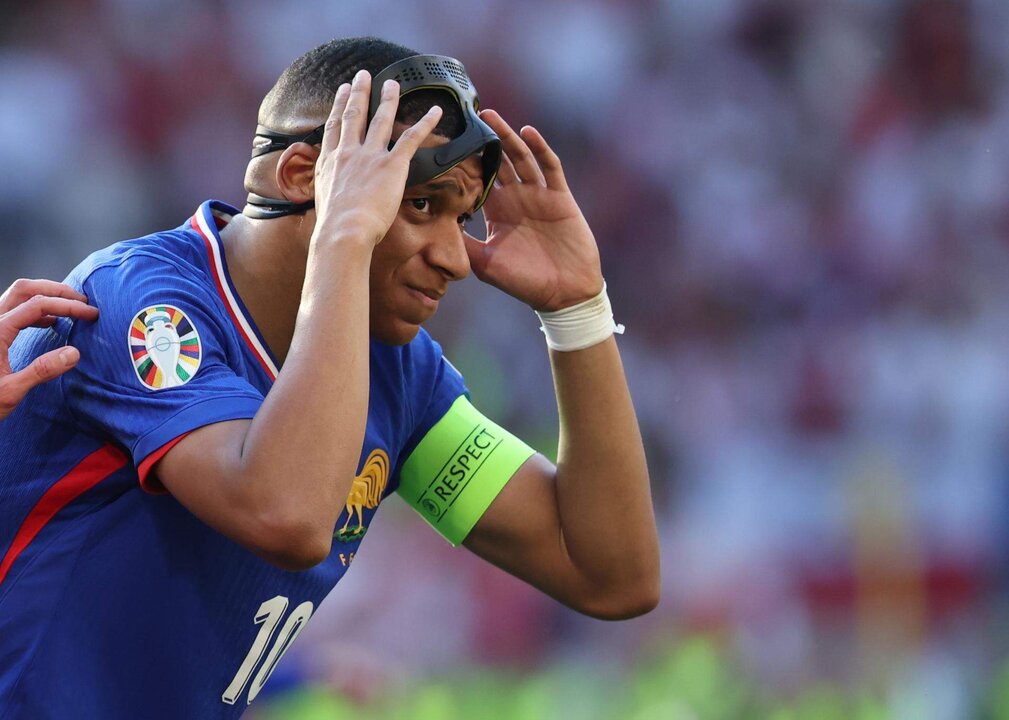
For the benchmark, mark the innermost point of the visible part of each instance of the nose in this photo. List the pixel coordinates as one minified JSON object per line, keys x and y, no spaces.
{"x":447,"y":253}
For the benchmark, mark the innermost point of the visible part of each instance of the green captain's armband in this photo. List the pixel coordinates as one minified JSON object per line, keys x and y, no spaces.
{"x":457,"y":470}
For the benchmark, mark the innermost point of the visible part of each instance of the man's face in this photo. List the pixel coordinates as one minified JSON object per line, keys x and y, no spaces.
{"x":423,"y":251}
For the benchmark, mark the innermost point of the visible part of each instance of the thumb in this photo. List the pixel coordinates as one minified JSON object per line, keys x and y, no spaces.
{"x":15,"y":386}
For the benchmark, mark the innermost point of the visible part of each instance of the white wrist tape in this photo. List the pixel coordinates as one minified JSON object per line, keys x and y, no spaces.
{"x":580,"y":326}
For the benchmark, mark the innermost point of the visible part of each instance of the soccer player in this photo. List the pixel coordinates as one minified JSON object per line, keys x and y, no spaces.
{"x":175,"y":508}
{"x":36,"y":303}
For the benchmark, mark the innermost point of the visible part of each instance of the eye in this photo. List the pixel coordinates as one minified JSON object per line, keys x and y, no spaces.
{"x":421,"y":205}
{"x":464,"y":219}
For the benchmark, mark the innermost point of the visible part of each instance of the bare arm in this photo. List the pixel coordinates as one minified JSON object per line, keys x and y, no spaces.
{"x":276,"y":484}
{"x":583,"y":532}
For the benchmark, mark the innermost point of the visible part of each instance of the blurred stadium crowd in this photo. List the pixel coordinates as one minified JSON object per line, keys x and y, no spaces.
{"x":803,"y":210}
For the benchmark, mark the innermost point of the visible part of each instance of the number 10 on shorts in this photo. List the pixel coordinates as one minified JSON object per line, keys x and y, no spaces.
{"x":269,"y":616}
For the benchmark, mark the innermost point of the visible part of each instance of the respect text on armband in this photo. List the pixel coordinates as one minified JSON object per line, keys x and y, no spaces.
{"x":455,"y":475}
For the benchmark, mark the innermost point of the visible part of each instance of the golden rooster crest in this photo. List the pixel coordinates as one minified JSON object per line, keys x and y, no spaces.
{"x":365,"y":492}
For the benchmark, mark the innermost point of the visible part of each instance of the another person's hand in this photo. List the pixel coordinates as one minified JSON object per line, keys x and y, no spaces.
{"x":36,"y":303}
{"x":539,"y":247}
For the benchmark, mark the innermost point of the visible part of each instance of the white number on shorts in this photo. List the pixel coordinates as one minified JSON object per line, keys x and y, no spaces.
{"x":268,"y":615}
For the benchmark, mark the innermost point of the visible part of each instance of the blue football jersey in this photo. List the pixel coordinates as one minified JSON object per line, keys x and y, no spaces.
{"x":115,"y":601}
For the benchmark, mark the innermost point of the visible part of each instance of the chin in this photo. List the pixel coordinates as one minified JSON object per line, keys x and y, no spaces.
{"x":398,"y":333}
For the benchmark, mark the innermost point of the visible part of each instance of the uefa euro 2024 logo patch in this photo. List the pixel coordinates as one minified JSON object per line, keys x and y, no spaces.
{"x":165,"y":347}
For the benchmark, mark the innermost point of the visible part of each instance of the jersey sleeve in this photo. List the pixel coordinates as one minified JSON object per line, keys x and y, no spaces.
{"x":457,"y":461}
{"x":157,"y":363}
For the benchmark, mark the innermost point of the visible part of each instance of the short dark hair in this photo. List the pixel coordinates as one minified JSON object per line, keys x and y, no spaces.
{"x":309,"y":84}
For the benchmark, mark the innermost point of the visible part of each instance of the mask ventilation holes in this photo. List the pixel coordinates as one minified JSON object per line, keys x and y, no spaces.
{"x":458,"y":73}
{"x":409,"y":75}
{"x":436,"y":70}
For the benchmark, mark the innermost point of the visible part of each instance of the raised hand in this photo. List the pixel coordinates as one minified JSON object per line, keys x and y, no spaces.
{"x":36,"y":303}
{"x":359,"y":180}
{"x":539,"y":247}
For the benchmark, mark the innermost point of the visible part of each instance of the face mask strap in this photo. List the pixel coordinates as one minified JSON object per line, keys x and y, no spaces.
{"x":264,"y":208}
{"x":280,"y":141}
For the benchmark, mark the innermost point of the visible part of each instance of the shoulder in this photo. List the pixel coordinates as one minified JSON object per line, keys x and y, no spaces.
{"x":424,"y":359}
{"x":139,"y":286}
{"x":425,"y":374}
{"x":116,"y":279}
{"x":431,"y":383}
{"x":162,"y":268}
{"x":170,"y":257}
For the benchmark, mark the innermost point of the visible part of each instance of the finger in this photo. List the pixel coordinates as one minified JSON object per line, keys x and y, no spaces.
{"x":417,"y":133}
{"x":331,"y":138}
{"x":515,"y":148}
{"x":24,"y":289}
{"x":380,"y":128}
{"x":44,"y":368}
{"x":506,"y":174}
{"x":355,"y":115}
{"x":546,"y":158}
{"x":39,"y":307}
{"x":46,"y":322}
{"x":478,"y":252}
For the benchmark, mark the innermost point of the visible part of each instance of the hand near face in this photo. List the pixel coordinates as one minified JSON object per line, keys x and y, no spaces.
{"x":36,"y":303}
{"x":539,"y":247}
{"x":359,"y":180}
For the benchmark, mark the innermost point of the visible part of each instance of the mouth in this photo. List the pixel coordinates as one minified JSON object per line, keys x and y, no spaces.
{"x":429,"y":297}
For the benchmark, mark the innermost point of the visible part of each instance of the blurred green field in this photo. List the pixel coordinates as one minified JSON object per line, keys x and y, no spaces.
{"x":695,"y":680}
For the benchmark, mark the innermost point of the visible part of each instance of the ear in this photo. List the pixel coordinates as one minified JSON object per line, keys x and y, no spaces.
{"x":295,"y":174}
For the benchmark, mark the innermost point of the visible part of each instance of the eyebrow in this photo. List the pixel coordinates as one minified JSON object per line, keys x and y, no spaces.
{"x":435,"y":186}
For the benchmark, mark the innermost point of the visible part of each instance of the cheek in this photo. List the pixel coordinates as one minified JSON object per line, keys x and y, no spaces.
{"x":400,"y":244}
{"x":379,"y":285}
{"x":384,"y":265}
{"x":385,"y":276}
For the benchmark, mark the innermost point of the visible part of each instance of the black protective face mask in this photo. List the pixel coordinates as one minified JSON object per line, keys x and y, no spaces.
{"x":420,"y":72}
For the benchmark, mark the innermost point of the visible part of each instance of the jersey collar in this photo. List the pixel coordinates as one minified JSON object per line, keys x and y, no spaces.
{"x":210,"y":218}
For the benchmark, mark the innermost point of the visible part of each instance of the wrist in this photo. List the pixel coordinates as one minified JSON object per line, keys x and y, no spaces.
{"x":580,"y":326}
{"x":348,"y":228}
{"x":349,"y":251}
{"x":569,"y":301}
